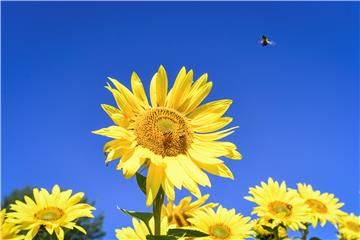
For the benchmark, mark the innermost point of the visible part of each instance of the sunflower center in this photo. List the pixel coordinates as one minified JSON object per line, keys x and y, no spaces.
{"x":353,"y":226}
{"x":163,"y":131}
{"x":220,"y":231}
{"x":49,"y":214}
{"x":316,"y":205}
{"x":280,"y":208}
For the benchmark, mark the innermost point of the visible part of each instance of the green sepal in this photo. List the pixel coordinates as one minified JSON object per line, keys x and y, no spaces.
{"x":141,"y":181}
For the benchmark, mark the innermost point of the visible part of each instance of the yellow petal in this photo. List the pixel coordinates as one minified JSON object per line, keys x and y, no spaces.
{"x":219,"y":170}
{"x":196,"y":98}
{"x":209,"y":112}
{"x":154,"y":179}
{"x":132,"y":165}
{"x":161,"y":86}
{"x":209,"y":137}
{"x":220,"y":123}
{"x":129,"y":97}
{"x":194,"y":171}
{"x":59,"y":233}
{"x":116,"y":115}
{"x":121,"y":102}
{"x":138,"y":90}
{"x":114,"y":132}
{"x":168,"y":188}
{"x":153,"y":97}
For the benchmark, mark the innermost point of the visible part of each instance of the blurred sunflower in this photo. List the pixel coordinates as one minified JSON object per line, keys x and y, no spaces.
{"x":140,"y":230}
{"x":8,"y":231}
{"x":280,"y":205}
{"x":52,"y":211}
{"x":259,"y":228}
{"x":222,"y":224}
{"x":179,"y":214}
{"x":175,"y":137}
{"x":349,"y":227}
{"x":323,"y":207}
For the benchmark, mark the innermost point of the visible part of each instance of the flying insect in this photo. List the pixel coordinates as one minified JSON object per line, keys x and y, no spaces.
{"x":265,"y":41}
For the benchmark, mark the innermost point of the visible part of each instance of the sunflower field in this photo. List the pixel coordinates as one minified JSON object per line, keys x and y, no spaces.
{"x":172,"y":141}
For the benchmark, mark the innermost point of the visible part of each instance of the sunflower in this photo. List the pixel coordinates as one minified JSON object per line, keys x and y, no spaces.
{"x":179,"y":214}
{"x":279,"y":204}
{"x":349,"y":227}
{"x":259,"y":228}
{"x":140,"y":230}
{"x":222,"y":224}
{"x":323,"y":207}
{"x":53,"y":211}
{"x":175,"y":137}
{"x":8,"y":231}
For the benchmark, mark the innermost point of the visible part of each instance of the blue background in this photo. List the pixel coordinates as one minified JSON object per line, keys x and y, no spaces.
{"x":296,"y":102}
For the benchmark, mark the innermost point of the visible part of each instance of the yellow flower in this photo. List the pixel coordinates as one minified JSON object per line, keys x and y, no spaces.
{"x":140,"y":231}
{"x":222,"y":224}
{"x":53,"y":211}
{"x":175,"y":137}
{"x":179,"y":214}
{"x":280,"y":205}
{"x":323,"y":207}
{"x":8,"y":231}
{"x":260,"y":231}
{"x":349,"y":227}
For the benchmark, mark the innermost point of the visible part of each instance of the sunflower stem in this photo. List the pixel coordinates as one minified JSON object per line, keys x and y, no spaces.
{"x":157,"y":206}
{"x":305,"y":232}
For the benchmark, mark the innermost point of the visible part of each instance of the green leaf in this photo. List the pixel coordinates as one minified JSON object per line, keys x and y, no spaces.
{"x":150,"y":237}
{"x":314,"y":238}
{"x":141,"y":181}
{"x":179,"y":232}
{"x":143,"y":216}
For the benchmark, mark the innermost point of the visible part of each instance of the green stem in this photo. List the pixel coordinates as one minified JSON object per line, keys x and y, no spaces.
{"x":305,"y":232}
{"x":157,"y":206}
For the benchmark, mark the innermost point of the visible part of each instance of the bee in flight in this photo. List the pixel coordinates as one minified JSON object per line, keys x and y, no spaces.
{"x":265,"y":41}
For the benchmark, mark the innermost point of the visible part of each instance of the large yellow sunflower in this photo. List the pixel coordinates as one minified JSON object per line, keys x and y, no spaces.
{"x":8,"y":231}
{"x":349,"y":227}
{"x":323,"y":207}
{"x":53,"y":211}
{"x":222,"y":225}
{"x":279,"y":204}
{"x":140,"y":231}
{"x":179,"y":214}
{"x":175,"y":137}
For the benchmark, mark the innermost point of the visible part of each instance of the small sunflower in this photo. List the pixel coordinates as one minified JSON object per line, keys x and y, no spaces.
{"x":258,"y":226}
{"x":175,"y":137}
{"x":179,"y":214}
{"x":349,"y":227}
{"x":279,"y":204}
{"x":8,"y":231}
{"x":54,"y":211}
{"x":323,"y":207}
{"x":140,"y":231}
{"x":222,"y":225}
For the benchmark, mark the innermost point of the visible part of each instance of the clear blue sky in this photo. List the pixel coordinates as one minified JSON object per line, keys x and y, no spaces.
{"x":296,"y":103}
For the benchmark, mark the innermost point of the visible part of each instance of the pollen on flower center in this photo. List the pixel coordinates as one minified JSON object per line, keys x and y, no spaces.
{"x":220,"y":231}
{"x":163,"y":131}
{"x":316,"y":205}
{"x":280,"y":208}
{"x":353,"y":226}
{"x":49,"y":214}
